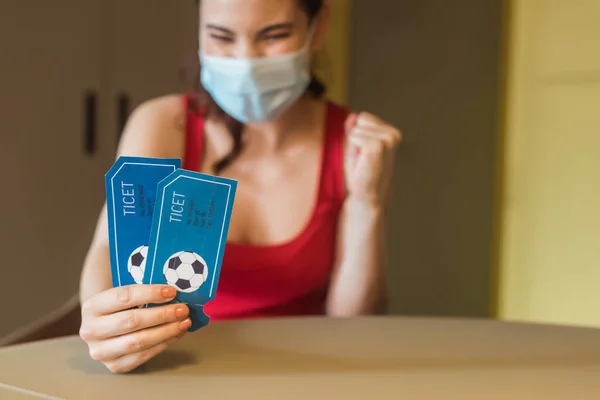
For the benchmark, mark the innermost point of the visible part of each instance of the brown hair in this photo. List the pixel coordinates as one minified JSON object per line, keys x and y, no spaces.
{"x":236,"y":128}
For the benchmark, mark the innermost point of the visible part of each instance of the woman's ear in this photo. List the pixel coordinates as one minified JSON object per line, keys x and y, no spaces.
{"x":322,"y":22}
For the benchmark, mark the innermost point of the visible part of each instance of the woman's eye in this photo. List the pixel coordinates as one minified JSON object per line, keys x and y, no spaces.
{"x":277,"y":36}
{"x":222,"y":38}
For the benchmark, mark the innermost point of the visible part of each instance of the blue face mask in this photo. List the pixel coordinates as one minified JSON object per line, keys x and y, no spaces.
{"x":256,"y":89}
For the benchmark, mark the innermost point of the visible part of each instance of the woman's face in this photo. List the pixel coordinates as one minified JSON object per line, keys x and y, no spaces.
{"x":255,"y":28}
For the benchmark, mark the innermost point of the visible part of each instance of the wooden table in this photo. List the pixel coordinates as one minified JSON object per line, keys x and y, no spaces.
{"x":317,"y":358}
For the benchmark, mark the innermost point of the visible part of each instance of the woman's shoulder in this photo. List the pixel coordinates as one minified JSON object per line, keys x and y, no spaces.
{"x":156,"y":128}
{"x":168,"y":110}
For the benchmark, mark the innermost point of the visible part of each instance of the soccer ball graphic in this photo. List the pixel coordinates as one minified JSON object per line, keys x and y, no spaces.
{"x":186,"y":271}
{"x":137,"y":263}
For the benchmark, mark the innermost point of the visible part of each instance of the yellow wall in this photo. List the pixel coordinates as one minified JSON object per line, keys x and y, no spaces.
{"x":550,"y":243}
{"x":332,"y":65}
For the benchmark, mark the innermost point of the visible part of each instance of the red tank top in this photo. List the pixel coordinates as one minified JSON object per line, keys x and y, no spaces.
{"x":284,"y":279}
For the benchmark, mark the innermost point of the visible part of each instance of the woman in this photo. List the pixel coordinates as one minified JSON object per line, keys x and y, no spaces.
{"x":306,"y":231}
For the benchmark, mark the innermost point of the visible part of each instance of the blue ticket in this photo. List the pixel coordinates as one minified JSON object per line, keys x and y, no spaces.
{"x":188,"y":237}
{"x":130,"y":196}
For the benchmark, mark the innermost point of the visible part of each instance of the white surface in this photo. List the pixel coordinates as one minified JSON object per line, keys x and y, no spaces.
{"x":362,"y":358}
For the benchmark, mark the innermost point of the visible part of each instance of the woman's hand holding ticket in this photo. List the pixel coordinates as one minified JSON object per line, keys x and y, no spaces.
{"x":122,"y":336}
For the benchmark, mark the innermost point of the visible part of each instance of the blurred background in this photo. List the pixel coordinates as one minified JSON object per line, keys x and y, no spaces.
{"x":496,"y":204}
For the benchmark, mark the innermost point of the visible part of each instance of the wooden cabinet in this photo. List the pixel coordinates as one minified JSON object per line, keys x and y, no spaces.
{"x":152,"y":50}
{"x":64,"y":66}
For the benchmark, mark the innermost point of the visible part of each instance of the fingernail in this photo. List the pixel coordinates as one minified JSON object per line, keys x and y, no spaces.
{"x":168,"y":292}
{"x":185,"y":324}
{"x":181,"y":312}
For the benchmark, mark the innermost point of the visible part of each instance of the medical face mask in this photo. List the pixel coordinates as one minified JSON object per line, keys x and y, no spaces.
{"x":256,"y":89}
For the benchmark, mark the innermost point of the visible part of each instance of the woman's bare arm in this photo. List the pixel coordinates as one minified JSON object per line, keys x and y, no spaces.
{"x":359,"y":281}
{"x":358,"y":286}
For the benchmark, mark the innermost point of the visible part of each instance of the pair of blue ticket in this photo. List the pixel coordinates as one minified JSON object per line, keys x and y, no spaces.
{"x":169,"y":226}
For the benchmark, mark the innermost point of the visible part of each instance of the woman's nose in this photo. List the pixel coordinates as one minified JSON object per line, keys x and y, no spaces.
{"x":245,"y":49}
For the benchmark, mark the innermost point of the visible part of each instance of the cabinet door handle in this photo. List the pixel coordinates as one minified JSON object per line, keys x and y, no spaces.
{"x":90,"y":117}
{"x":122,"y":114}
